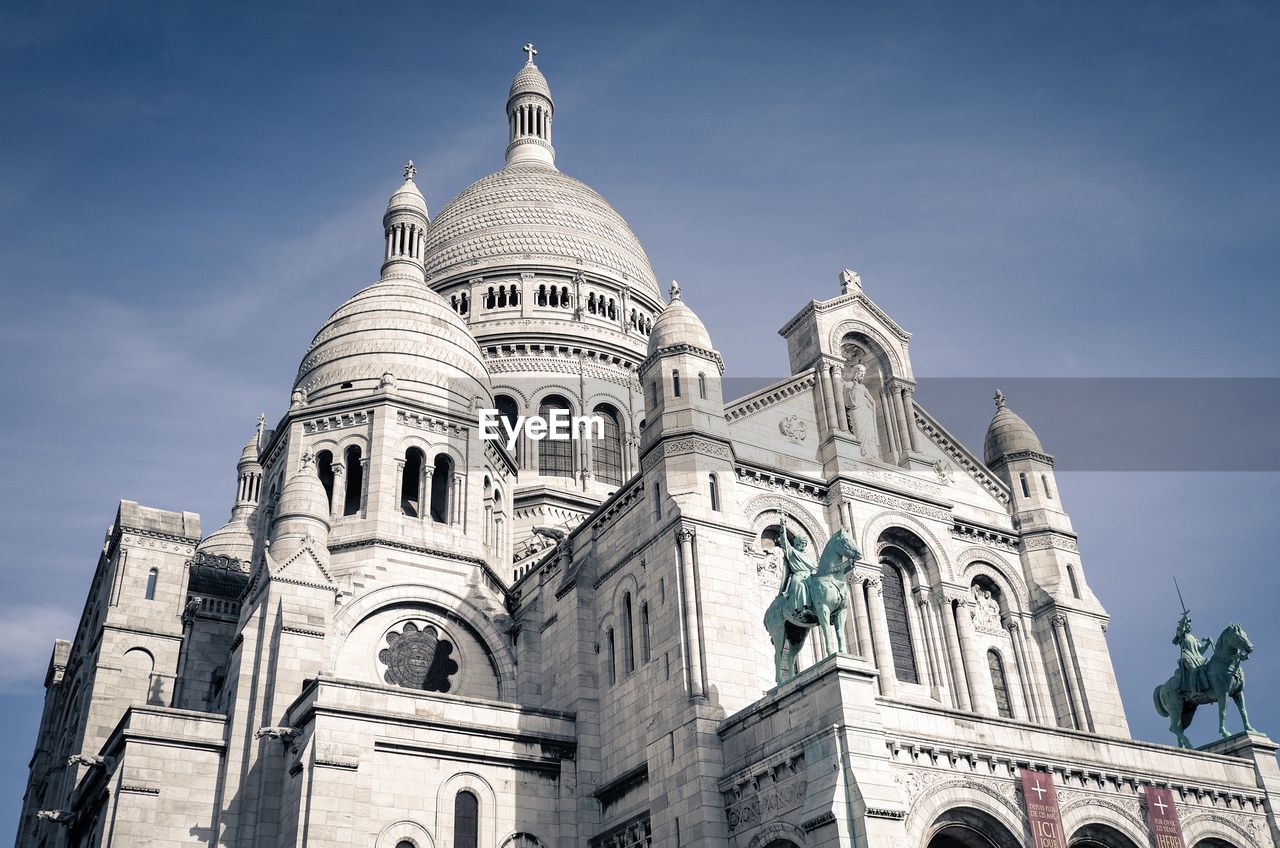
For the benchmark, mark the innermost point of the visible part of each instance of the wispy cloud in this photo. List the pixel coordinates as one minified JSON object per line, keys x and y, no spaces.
{"x":26,"y":643}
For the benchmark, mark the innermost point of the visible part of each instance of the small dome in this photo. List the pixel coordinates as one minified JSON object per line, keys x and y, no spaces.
{"x":529,"y":80}
{"x":408,"y":196}
{"x":233,"y":539}
{"x":678,"y":325}
{"x":249,"y":456}
{"x":1007,"y":434}
{"x":304,"y":496}
{"x":398,"y":333}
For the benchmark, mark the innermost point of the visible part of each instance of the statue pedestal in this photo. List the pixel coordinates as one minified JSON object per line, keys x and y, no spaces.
{"x":808,"y":763}
{"x":1260,"y":751}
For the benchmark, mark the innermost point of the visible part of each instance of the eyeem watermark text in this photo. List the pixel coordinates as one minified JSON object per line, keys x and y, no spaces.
{"x":558,"y":426}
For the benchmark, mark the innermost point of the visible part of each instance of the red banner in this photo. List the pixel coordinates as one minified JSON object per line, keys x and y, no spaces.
{"x":1162,"y":818}
{"x":1042,"y":809}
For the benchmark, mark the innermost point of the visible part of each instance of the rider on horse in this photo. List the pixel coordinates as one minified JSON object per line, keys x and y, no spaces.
{"x":799,"y":565}
{"x":1191,"y":660}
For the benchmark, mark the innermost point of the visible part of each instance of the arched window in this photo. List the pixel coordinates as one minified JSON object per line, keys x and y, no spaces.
{"x":355,"y":480}
{"x":644,"y":633}
{"x":1044,"y":481}
{"x":404,"y":843}
{"x":607,"y":452}
{"x":714,"y":490}
{"x":466,"y":820}
{"x":152,"y":576}
{"x":628,"y":641}
{"x":411,"y":483}
{"x":542,"y":295}
{"x":999,"y":683}
{"x":514,"y":298}
{"x":555,"y":456}
{"x":1022,"y":478}
{"x":657,"y":503}
{"x":895,"y":611}
{"x":612,"y":658}
{"x":509,"y":411}
{"x":675,"y":384}
{"x":324,"y":468}
{"x":702,"y":385}
{"x":465,"y":303}
{"x":441,"y":483}
{"x":1071,"y":577}
{"x":653,"y":394}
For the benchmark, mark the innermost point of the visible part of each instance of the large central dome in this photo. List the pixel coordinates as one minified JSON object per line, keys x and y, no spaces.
{"x":529,"y":212}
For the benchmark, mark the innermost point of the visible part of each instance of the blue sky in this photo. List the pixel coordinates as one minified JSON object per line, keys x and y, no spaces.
{"x":1033,"y":189}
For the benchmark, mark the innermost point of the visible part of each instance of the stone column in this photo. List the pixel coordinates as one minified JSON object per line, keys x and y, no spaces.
{"x":880,"y":638}
{"x":924,"y":666}
{"x":1024,"y":671}
{"x":900,"y":416}
{"x":399,"y":488}
{"x":954,"y":653}
{"x":689,"y":612}
{"x":890,"y":419}
{"x":1039,"y":678}
{"x":456,"y":496}
{"x":837,"y":387}
{"x":937,"y":670}
{"x":823,"y":387}
{"x":339,"y":505}
{"x":980,"y":686}
{"x":1070,"y":674}
{"x":861,"y":619}
{"x":909,"y":407}
{"x":1022,"y":709}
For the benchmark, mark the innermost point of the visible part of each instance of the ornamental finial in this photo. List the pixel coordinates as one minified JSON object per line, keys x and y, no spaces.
{"x":409,"y":171}
{"x":262,"y":425}
{"x":528,"y":48}
{"x":675,"y":290}
{"x":999,"y":398}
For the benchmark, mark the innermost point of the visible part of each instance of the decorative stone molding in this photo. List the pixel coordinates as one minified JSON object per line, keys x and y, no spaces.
{"x":764,"y":479}
{"x":769,"y":396}
{"x":686,"y":444}
{"x":962,"y":529}
{"x":430,"y":423}
{"x":338,"y":422}
{"x":960,"y":456}
{"x":884,"y":499}
{"x":794,"y":428}
{"x":1050,"y":540}
{"x":758,"y":510}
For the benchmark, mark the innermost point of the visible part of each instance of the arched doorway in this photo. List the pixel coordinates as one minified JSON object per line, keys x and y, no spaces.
{"x":1213,"y":842}
{"x":1100,"y":836}
{"x":966,"y":827}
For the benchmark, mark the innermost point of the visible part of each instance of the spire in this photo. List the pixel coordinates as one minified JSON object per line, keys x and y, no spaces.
{"x":405,"y":229}
{"x":529,"y":115}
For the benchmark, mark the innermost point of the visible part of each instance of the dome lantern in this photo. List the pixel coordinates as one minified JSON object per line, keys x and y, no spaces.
{"x":529,"y":114}
{"x":405,"y":228}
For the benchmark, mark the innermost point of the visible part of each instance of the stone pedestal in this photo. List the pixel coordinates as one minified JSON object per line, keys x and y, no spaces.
{"x":808,"y":762}
{"x":1260,"y":752}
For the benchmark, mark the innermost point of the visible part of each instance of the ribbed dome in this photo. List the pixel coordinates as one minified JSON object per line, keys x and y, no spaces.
{"x":530,"y":213}
{"x":678,"y":325}
{"x":396,"y":332}
{"x":529,"y":80}
{"x":1007,"y":434}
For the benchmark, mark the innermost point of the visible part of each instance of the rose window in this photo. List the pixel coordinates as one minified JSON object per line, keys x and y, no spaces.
{"x":418,"y":659}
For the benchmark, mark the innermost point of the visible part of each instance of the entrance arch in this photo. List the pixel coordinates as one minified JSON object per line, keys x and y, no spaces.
{"x":1100,"y":836}
{"x":967,"y":827}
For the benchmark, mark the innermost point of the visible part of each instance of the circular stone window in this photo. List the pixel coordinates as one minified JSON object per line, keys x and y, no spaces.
{"x":418,"y":658}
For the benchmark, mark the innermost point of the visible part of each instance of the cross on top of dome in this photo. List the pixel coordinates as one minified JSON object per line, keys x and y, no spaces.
{"x":529,"y":48}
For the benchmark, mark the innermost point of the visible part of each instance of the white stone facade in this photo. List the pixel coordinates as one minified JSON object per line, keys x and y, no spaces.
{"x":411,"y":637}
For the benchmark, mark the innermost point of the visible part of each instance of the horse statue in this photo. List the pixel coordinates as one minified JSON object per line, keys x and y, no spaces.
{"x":1218,"y":678}
{"x":824,"y":604}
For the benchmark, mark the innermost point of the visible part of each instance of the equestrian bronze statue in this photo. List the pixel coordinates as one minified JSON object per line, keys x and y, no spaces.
{"x":1200,"y":680}
{"x":811,"y":595}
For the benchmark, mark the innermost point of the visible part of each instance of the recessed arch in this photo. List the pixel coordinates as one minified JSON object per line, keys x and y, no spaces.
{"x":1098,"y":835}
{"x":970,"y":827}
{"x":883,"y":346}
{"x":480,"y":622}
{"x":937,"y":565}
{"x":486,"y":803}
{"x":404,"y":831}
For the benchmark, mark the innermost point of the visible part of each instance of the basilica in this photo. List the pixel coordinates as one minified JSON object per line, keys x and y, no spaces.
{"x":411,"y":635}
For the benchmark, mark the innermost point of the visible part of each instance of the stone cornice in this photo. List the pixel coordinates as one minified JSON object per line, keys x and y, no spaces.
{"x":762,"y":399}
{"x":959,"y":454}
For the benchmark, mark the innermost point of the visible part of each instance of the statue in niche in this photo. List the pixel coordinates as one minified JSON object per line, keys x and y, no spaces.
{"x":860,"y":411}
{"x":986,"y":609}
